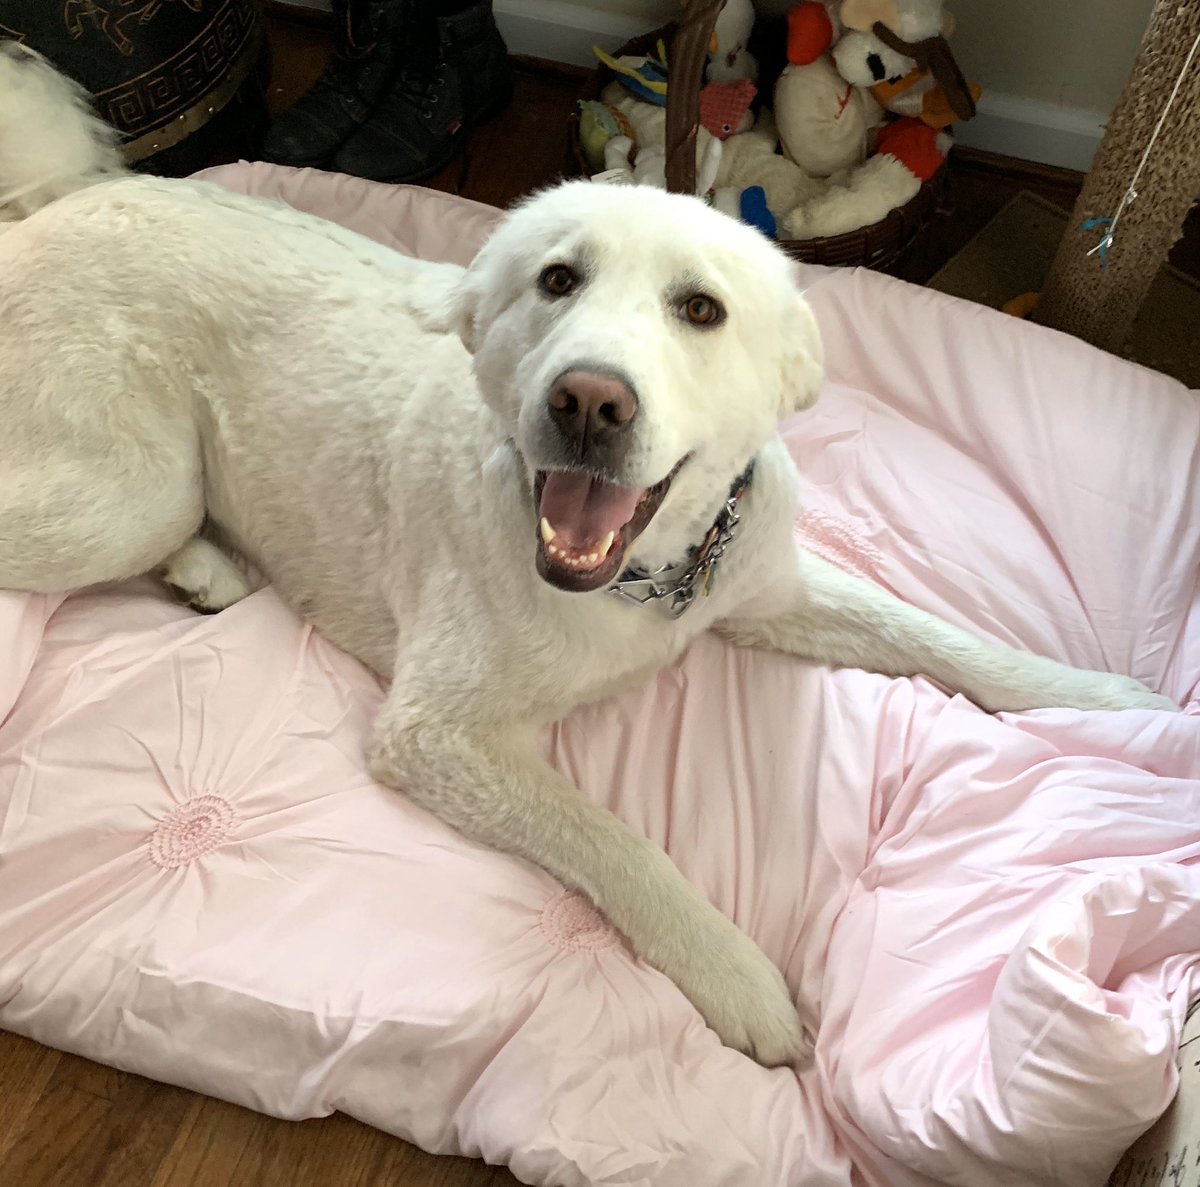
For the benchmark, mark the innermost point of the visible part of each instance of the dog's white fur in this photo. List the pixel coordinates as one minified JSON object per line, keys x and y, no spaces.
{"x":171,"y":352}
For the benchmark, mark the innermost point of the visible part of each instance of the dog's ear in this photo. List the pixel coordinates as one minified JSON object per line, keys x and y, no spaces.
{"x":435,"y":297}
{"x":465,"y":310}
{"x":482,"y":284}
{"x":450,"y":298}
{"x":803,"y":356}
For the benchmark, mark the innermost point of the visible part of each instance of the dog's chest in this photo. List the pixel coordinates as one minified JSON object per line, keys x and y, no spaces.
{"x":592,"y":646}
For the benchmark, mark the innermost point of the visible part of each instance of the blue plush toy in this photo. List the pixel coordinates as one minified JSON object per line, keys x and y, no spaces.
{"x":754,"y":211}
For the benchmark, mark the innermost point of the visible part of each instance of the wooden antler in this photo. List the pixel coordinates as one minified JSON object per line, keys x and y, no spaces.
{"x":685,"y":76}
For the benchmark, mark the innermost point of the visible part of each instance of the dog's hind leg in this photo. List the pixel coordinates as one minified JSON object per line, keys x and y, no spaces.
{"x":74,"y":520}
{"x":204,"y":577}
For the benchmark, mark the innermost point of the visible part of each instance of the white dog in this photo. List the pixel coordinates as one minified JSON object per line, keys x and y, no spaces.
{"x":465,"y":478}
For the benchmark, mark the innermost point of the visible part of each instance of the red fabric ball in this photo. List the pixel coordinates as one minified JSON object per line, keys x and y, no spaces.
{"x":913,"y":143}
{"x":810,"y":33}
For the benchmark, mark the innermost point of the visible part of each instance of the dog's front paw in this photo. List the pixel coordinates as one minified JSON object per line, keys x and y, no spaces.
{"x":744,"y":998}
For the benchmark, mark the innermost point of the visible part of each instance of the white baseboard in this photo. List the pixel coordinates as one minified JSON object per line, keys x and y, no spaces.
{"x":1034,"y":131}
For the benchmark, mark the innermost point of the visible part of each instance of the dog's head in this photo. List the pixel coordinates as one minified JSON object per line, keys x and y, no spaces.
{"x":641,"y":347}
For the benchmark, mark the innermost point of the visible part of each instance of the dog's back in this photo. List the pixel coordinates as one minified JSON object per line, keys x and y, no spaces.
{"x":51,"y":143}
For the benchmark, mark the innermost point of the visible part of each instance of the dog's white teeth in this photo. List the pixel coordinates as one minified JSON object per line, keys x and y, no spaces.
{"x":565,"y":555}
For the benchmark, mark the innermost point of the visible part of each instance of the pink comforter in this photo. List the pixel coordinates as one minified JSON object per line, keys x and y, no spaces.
{"x":998,"y":918}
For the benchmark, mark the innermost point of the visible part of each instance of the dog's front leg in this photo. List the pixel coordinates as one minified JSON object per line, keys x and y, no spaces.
{"x":813,"y":609}
{"x":488,"y":784}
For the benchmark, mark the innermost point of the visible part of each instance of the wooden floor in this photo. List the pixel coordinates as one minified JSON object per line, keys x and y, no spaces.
{"x":65,"y":1122}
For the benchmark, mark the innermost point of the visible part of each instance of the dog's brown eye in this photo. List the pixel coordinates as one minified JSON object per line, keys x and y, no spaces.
{"x":557,"y":280}
{"x":702,"y":311}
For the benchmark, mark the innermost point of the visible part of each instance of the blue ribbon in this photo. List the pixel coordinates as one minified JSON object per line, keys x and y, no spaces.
{"x":1102,"y":247}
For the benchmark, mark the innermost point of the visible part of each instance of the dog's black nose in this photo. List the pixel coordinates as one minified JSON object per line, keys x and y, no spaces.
{"x":592,"y":409}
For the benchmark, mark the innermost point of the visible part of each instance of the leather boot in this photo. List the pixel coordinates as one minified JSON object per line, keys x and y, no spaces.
{"x":342,"y":99}
{"x":453,"y":74}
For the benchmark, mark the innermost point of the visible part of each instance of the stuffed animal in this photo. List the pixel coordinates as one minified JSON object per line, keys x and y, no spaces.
{"x":645,"y":78}
{"x":648,"y":165}
{"x":887,"y":41}
{"x":756,"y":213}
{"x":918,"y":147}
{"x":748,"y":206}
{"x":918,"y":94}
{"x":862,"y":59}
{"x":912,"y":20}
{"x":642,"y":155}
{"x":728,"y":58}
{"x":647,"y":122}
{"x":825,"y":123}
{"x":858,"y":198}
{"x":725,"y":108}
{"x":750,"y":159}
{"x":598,"y":124}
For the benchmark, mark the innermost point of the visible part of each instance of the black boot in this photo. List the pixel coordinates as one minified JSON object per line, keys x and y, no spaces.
{"x":342,"y":99}
{"x":453,"y":74}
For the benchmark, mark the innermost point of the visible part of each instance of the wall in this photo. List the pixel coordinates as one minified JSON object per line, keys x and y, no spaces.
{"x":1052,"y":71}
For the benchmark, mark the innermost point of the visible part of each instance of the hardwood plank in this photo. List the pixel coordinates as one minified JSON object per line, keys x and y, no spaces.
{"x":525,"y":148}
{"x":94,"y":1127}
{"x":68,"y":1122}
{"x":222,"y":1145}
{"x":211,"y":1142}
{"x":25,"y":1070}
{"x":299,"y":52}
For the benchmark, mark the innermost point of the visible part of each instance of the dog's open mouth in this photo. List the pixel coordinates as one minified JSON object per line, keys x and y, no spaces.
{"x":586,"y":525}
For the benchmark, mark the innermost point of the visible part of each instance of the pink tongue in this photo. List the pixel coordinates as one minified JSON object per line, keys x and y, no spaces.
{"x":584,"y":510}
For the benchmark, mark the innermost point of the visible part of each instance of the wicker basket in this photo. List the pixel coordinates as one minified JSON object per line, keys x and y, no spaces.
{"x":881,"y":246}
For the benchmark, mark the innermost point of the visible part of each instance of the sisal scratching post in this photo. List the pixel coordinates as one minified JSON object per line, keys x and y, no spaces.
{"x":1099,"y":304}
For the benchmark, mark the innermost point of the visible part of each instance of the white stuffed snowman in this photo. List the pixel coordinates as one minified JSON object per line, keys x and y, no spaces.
{"x":728,"y":58}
